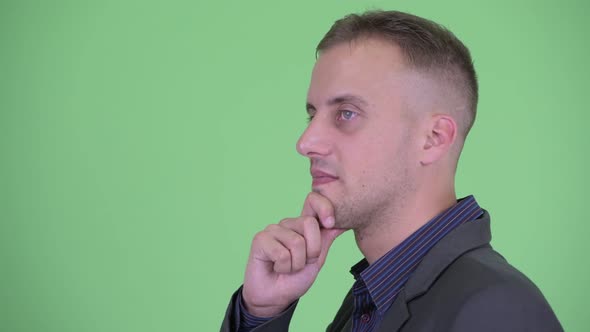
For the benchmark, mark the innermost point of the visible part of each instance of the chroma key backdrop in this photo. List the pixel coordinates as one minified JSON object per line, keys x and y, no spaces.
{"x":144,"y":143}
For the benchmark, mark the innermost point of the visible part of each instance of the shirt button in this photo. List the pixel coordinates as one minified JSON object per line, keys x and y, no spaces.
{"x":365,"y":318}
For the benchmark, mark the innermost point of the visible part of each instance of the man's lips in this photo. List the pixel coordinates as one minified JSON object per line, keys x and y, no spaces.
{"x":321,"y":177}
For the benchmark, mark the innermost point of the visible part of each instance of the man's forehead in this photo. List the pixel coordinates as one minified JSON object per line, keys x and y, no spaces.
{"x":362,"y":72}
{"x":365,"y":52}
{"x":356,"y":66}
{"x":373,"y":71}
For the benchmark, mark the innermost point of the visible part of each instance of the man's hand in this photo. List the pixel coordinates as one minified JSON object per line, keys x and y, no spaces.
{"x":286,"y":258}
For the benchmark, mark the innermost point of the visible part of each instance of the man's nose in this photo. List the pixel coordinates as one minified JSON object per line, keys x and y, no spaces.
{"x":315,"y":140}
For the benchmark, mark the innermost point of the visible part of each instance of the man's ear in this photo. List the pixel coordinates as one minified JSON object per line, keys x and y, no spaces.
{"x":441,"y":135}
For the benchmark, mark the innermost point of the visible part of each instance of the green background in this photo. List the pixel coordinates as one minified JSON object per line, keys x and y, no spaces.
{"x":143,"y":144}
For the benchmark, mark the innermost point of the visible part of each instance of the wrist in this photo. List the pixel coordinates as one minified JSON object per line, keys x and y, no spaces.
{"x":262,"y":311}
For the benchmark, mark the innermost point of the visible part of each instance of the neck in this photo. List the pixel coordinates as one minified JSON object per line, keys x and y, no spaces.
{"x":389,"y":229}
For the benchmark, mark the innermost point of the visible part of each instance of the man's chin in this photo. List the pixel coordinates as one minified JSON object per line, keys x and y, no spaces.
{"x":322,"y":190}
{"x":329,"y":194}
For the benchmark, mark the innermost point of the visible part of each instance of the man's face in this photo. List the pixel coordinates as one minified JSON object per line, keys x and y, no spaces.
{"x":359,"y":141}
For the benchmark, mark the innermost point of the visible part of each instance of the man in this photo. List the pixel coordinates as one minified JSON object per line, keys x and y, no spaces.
{"x":391,"y":101}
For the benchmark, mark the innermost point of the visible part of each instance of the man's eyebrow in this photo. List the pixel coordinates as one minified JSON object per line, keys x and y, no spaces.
{"x":346,"y":98}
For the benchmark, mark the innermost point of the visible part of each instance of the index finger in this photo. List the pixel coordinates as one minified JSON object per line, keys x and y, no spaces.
{"x":320,"y":207}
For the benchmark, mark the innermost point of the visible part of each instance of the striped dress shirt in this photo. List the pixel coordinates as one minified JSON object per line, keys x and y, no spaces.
{"x":377,"y":285}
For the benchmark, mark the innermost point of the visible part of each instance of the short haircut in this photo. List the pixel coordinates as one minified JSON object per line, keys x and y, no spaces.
{"x":425,"y":45}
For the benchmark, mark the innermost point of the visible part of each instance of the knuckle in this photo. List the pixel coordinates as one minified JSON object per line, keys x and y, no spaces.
{"x":297,"y":241}
{"x":271,"y":228}
{"x":259,"y":237}
{"x":309,"y":221}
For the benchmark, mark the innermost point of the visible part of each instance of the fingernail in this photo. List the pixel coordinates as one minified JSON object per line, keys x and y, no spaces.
{"x":330,"y":222}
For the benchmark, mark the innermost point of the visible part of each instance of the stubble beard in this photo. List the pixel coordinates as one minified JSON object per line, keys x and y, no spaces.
{"x":372,"y":208}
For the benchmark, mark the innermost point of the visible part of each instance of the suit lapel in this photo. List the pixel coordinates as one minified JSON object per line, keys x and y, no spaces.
{"x":467,"y":237}
{"x":396,"y":315}
{"x":464,"y":238}
{"x":348,"y":326}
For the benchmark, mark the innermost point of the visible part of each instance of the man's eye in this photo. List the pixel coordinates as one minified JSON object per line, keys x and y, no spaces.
{"x":347,"y":115}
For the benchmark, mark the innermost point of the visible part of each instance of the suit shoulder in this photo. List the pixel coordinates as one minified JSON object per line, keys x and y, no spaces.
{"x":481,"y":269}
{"x":481,"y":290}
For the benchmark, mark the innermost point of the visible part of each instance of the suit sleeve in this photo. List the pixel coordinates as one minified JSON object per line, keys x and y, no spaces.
{"x":507,"y":308}
{"x":231,"y":321}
